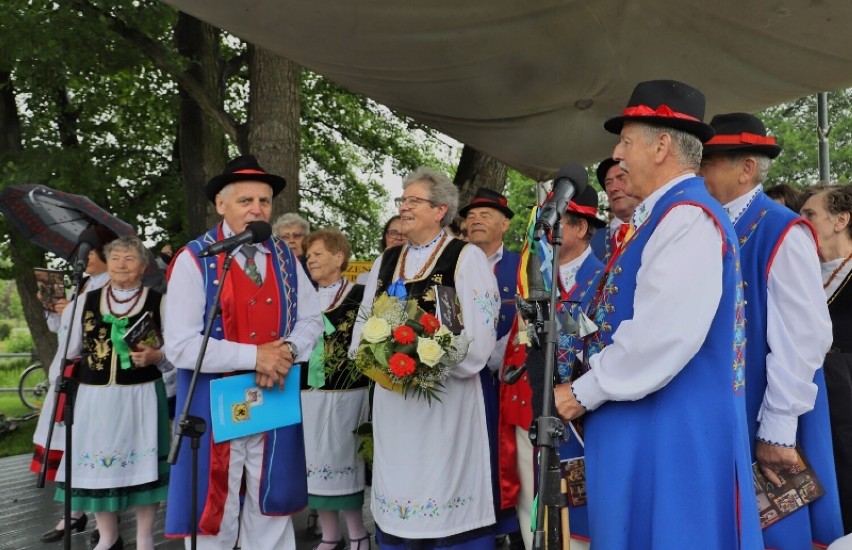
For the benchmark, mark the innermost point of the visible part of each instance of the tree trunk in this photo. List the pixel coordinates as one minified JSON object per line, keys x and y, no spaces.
{"x":274,"y":134}
{"x":23,"y":253}
{"x":201,"y":140}
{"x":477,"y":169}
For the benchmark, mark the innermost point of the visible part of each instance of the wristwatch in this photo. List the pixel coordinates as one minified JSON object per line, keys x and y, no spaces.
{"x":294,"y":351}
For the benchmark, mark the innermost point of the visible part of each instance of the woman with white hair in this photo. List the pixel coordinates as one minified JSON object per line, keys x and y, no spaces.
{"x":431,"y":470}
{"x":121,"y":421}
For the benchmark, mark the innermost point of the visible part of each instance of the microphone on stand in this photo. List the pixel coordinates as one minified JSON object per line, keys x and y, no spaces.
{"x":255,"y":232}
{"x":86,"y":242}
{"x":571,"y":180}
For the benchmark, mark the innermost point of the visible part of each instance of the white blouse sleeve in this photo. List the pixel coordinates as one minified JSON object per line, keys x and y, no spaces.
{"x":798,"y":331}
{"x":678,"y":288}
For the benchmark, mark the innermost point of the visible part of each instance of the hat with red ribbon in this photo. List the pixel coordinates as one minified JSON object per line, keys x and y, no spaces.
{"x":585,"y":204}
{"x":741,"y":132}
{"x":666,"y":103}
{"x":490,"y":199}
{"x":243,"y":168}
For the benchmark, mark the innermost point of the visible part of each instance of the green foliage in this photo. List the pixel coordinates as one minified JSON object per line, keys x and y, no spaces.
{"x":521,"y":194}
{"x":5,"y":330}
{"x":19,"y":341}
{"x":347,"y":143}
{"x":794,"y":124}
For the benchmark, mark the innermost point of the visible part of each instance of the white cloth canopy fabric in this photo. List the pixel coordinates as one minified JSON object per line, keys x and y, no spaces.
{"x":531,"y":82}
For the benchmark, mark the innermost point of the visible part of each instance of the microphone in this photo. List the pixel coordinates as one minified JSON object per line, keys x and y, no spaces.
{"x":571,"y":180}
{"x":256,"y":232}
{"x":86,"y":242}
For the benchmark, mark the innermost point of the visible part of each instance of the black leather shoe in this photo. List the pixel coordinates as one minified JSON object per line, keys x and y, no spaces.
{"x":54,"y":535}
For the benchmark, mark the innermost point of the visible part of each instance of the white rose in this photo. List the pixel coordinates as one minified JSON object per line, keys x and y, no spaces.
{"x":429,"y":351}
{"x":375,"y":330}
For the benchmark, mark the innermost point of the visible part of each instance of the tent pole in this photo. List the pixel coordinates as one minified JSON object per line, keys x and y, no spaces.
{"x":822,"y":132}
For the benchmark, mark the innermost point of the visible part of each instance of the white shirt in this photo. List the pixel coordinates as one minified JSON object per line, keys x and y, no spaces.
{"x":185,"y":318}
{"x":798,"y":330}
{"x":678,"y":288}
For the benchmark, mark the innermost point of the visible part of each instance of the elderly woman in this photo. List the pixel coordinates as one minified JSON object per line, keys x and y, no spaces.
{"x":121,"y":421}
{"x":336,"y":403}
{"x":431,"y":471}
{"x":829,"y":210}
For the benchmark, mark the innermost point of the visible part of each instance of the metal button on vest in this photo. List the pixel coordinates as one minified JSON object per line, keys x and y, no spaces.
{"x":523,"y":403}
{"x":215,"y":281}
{"x":514,"y":398}
{"x":269,"y":300}
{"x":218,"y":329}
{"x":212,"y":266}
{"x":253,"y":335}
{"x":505,"y":289}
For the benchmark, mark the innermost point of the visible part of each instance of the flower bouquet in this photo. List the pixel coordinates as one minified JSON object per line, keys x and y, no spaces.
{"x":407,"y":350}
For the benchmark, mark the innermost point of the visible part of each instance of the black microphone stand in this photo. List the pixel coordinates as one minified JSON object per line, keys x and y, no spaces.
{"x":547,"y":431}
{"x":195,"y":427}
{"x":68,"y":386}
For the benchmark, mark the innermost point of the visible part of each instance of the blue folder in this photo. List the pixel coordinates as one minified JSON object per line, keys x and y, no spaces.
{"x":239,"y":407}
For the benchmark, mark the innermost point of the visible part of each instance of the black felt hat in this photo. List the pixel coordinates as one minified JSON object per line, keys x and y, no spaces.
{"x":243,"y":168}
{"x":490,"y":199}
{"x":585,"y":204}
{"x":666,"y":103}
{"x":603,"y":168}
{"x":741,"y":132}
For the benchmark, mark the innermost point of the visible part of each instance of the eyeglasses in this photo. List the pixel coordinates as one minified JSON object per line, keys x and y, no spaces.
{"x":394,"y":234}
{"x":410,"y":201}
{"x":291,"y":235}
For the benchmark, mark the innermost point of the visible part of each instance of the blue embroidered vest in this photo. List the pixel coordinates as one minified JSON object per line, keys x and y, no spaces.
{"x":760,"y":231}
{"x":643,"y":456}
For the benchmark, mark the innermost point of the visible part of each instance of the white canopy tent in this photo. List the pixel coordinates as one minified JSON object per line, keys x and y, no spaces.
{"x":531,"y":82}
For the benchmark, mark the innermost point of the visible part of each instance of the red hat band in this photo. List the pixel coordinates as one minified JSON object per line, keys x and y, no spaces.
{"x":586,"y":210}
{"x":744,"y":138}
{"x":662,"y":111}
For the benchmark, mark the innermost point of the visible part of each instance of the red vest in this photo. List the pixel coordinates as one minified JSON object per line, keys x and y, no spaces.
{"x":250,"y":314}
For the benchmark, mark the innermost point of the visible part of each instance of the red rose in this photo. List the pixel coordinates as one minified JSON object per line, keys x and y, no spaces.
{"x":430,"y":323}
{"x":404,"y":334}
{"x":401,"y":365}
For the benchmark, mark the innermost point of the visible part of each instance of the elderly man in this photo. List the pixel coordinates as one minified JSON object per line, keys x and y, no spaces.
{"x":667,"y":462}
{"x":486,"y":220}
{"x":270,"y":319}
{"x":787,"y":327}
{"x":613,"y":180}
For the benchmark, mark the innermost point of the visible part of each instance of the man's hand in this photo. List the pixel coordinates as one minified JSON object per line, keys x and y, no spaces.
{"x":273,"y":364}
{"x":772,"y":459}
{"x":566,"y":404}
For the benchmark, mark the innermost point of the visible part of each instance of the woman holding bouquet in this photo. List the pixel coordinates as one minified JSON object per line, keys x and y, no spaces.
{"x":431,"y":472}
{"x":121,"y":421}
{"x":334,"y":398}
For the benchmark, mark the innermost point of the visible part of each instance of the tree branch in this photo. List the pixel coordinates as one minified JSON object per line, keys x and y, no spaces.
{"x":160,"y":58}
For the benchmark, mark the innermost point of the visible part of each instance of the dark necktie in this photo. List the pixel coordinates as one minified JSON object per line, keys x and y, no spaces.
{"x":249,"y":250}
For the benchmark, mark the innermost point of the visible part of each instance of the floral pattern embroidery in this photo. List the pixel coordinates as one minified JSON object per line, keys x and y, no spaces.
{"x":326,"y":472}
{"x":489,"y":305}
{"x":106,"y":460}
{"x":411,"y":510}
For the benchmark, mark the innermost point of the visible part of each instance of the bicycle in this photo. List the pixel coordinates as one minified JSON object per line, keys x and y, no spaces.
{"x":33,"y":386}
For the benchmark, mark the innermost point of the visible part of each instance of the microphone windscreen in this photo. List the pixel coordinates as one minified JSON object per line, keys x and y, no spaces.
{"x":260,"y":231}
{"x":576,"y":173}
